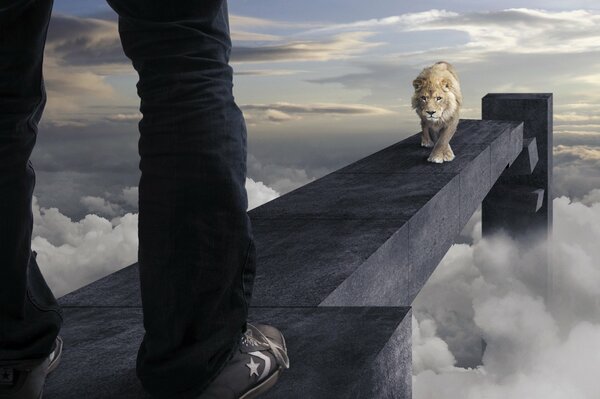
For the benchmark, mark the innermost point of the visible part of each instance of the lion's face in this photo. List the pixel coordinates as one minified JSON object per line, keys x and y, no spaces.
{"x":437,"y":97}
{"x":432,"y":104}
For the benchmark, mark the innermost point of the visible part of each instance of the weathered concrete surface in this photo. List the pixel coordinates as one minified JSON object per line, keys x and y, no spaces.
{"x":526,"y":161}
{"x":372,"y":345}
{"x":433,"y":204}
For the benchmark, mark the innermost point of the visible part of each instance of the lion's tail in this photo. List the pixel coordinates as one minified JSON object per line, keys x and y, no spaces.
{"x":448,"y":67}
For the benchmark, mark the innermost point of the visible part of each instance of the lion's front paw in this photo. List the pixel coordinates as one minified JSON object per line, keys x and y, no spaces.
{"x":436,"y":157}
{"x":443,"y":154}
{"x":426,"y":143}
{"x":448,"y":154}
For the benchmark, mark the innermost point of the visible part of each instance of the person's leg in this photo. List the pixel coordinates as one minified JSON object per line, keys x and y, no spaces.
{"x":196,"y":253}
{"x":30,"y":318}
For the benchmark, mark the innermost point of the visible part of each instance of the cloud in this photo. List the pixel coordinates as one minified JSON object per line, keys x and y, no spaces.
{"x":519,"y":30}
{"x":576,"y":117}
{"x":274,"y":115}
{"x":241,"y":36}
{"x":267,"y":72}
{"x":100,"y":205}
{"x":494,"y":51}
{"x":70,"y":92}
{"x":259,"y":193}
{"x":133,"y":117}
{"x":429,"y":352}
{"x":131,"y":195}
{"x":493,"y":290}
{"x":344,"y":45}
{"x":513,"y":30}
{"x":585,"y":153}
{"x":407,"y":21}
{"x":80,"y":56}
{"x":280,"y":178}
{"x":242,"y":22}
{"x":577,"y":166}
{"x":592,"y":197}
{"x":281,"y":112}
{"x":72,"y":254}
{"x":76,"y":41}
{"x":574,"y":139}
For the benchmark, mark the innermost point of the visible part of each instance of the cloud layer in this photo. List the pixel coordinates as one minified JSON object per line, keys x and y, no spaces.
{"x":72,"y":254}
{"x":538,"y":344}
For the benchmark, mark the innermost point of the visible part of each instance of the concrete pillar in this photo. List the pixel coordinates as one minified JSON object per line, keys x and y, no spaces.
{"x":520,"y":203}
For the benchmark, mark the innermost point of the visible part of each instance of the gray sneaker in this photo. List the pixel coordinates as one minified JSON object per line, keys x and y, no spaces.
{"x":25,"y":379}
{"x":254,"y":368}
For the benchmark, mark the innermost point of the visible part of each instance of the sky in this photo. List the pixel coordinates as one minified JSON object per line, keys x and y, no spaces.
{"x":322,"y":84}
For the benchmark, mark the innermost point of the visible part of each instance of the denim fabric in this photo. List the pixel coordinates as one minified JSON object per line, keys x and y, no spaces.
{"x":29,"y":315}
{"x":196,"y":251}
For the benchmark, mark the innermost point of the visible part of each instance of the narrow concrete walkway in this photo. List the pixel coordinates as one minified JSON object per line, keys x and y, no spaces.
{"x":340,"y":261}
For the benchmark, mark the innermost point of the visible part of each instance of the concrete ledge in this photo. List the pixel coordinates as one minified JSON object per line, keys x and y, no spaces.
{"x":527,"y":160}
{"x":508,"y":198}
{"x":371,"y":344}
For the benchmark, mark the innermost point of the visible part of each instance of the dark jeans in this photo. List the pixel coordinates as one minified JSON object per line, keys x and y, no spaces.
{"x":196,"y":251}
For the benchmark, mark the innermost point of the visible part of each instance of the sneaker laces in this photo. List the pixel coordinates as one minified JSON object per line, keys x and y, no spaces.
{"x":278,"y":351}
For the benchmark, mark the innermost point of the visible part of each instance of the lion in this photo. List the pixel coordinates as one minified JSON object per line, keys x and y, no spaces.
{"x":437,"y":101}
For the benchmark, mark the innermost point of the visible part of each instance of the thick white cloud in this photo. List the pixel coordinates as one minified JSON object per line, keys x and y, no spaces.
{"x":513,"y":30}
{"x":405,"y":20}
{"x":429,"y":352}
{"x":259,"y":193}
{"x":535,"y":348}
{"x":577,"y":166}
{"x":278,"y":177}
{"x":72,"y":254}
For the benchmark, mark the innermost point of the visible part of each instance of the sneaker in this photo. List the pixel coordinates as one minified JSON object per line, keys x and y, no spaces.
{"x":25,"y":379}
{"x":254,"y":368}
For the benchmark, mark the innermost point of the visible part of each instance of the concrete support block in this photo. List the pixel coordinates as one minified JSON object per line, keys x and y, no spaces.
{"x":527,"y":160}
{"x":535,"y":110}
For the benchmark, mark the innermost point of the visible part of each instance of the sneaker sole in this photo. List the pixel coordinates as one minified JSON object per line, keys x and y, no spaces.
{"x":37,"y":382}
{"x":55,"y":362}
{"x":262,"y":387}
